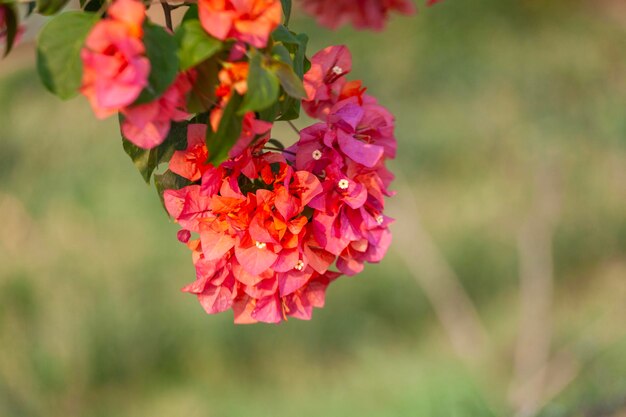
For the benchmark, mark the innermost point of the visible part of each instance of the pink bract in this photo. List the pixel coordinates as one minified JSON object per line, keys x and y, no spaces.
{"x":147,"y":125}
{"x":362,"y":14}
{"x":115,"y":70}
{"x":249,"y":21}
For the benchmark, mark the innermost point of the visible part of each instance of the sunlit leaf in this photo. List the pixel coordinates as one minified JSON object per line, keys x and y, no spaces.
{"x":58,"y":52}
{"x":147,"y":160}
{"x":195,"y":44}
{"x":221,"y":141}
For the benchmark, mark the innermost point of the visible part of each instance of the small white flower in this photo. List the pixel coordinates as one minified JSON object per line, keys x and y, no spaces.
{"x":343,"y":184}
{"x":380,"y":219}
{"x":299,"y":265}
{"x":317,"y":154}
{"x":260,"y":245}
{"x":337,"y":70}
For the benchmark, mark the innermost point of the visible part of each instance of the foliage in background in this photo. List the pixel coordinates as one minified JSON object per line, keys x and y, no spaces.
{"x":478,"y":105}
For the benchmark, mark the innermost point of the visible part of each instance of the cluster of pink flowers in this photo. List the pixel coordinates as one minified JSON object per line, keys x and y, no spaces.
{"x":116,"y":70}
{"x":270,"y":226}
{"x":362,"y":14}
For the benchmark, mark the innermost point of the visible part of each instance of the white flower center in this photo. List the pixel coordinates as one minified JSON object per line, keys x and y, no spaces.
{"x":343,"y":184}
{"x":260,"y":245}
{"x":380,"y":219}
{"x":317,"y":154}
{"x":299,"y":265}
{"x":337,"y":70}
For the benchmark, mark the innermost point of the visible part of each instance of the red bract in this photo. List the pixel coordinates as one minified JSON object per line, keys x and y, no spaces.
{"x":250,"y":21}
{"x":115,"y":70}
{"x":191,"y":163}
{"x":147,"y":125}
{"x":363,"y":14}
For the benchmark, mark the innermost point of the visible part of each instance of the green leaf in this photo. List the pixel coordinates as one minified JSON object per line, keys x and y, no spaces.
{"x":50,"y":7}
{"x":263,"y":86}
{"x":286,"y":10}
{"x":296,"y":45}
{"x":191,"y":13}
{"x":161,"y":48}
{"x":289,"y":80}
{"x":300,"y":63}
{"x":169,"y":181}
{"x":58,"y":52}
{"x":91,"y":5}
{"x":12,"y":25}
{"x":278,"y":144}
{"x":220,"y":142}
{"x":289,"y":109}
{"x":284,"y":35}
{"x":195,"y":44}
{"x":281,"y":53}
{"x":202,"y":97}
{"x":147,"y":160}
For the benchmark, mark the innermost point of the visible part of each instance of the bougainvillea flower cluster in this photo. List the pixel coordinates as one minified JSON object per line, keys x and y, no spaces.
{"x":362,"y":14}
{"x":269,"y":226}
{"x":274,"y":229}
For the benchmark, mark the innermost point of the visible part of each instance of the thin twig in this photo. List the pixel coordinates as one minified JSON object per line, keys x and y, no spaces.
{"x":167,"y":11}
{"x":532,"y":356}
{"x":452,"y":305}
{"x":271,"y":148}
{"x":295,"y":129}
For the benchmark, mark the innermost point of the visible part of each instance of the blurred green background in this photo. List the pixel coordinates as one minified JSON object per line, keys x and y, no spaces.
{"x":510,"y":117}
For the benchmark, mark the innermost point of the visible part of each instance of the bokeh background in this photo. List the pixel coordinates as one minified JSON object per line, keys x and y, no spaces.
{"x":504,"y":293}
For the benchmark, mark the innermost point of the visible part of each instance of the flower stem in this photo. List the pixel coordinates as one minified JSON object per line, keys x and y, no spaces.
{"x":295,"y":129}
{"x":167,"y":11}
{"x":271,"y":148}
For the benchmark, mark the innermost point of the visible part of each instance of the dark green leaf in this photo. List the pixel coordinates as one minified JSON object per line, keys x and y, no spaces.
{"x":286,"y":10}
{"x":12,"y":25}
{"x":278,"y":144}
{"x":91,"y":5}
{"x":195,"y":45}
{"x":202,"y":97}
{"x":288,"y":79}
{"x":296,"y":45}
{"x":263,"y":86}
{"x":281,"y":53}
{"x":30,"y":8}
{"x":289,"y":109}
{"x":191,"y":13}
{"x":284,"y":35}
{"x":58,"y":52}
{"x":161,"y":48}
{"x":169,"y":181}
{"x":147,"y":160}
{"x":220,"y":142}
{"x":300,"y":63}
{"x":50,"y":7}
{"x":270,"y":114}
